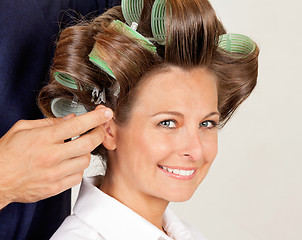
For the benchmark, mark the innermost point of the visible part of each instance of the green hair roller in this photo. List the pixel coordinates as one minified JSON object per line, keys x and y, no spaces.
{"x":236,"y":43}
{"x":66,"y":80}
{"x":132,"y":10}
{"x":158,"y":16}
{"x":95,"y":58}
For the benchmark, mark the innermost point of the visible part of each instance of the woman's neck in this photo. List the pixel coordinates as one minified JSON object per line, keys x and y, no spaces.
{"x":149,"y":207}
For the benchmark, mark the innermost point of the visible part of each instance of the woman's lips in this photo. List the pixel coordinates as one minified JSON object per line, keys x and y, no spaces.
{"x":178,"y":172}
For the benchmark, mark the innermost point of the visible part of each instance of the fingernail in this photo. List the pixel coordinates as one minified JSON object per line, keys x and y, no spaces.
{"x":108,"y":113}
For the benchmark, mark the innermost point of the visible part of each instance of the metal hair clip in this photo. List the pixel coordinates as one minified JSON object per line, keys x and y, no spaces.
{"x":97,"y":96}
{"x":74,"y":102}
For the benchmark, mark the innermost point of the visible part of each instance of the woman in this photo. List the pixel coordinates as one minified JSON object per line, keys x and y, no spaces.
{"x":168,"y":94}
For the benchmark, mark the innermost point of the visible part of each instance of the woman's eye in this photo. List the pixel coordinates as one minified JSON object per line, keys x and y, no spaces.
{"x":208,"y":124}
{"x":168,"y":124}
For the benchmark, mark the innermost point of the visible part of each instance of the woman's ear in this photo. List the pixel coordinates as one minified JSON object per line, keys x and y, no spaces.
{"x":110,"y":135}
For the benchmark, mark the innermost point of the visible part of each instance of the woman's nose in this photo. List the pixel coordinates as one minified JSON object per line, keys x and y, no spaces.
{"x":191,"y":145}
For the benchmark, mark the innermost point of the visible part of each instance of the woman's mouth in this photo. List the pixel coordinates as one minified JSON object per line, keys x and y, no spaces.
{"x":177,"y":172}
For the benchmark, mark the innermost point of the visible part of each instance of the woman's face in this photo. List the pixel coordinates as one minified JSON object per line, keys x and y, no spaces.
{"x":170,"y":141}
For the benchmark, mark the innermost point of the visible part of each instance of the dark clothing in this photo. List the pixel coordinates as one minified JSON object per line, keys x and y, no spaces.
{"x":27,"y":34}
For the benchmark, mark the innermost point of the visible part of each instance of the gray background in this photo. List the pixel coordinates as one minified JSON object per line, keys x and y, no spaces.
{"x":254,"y":188}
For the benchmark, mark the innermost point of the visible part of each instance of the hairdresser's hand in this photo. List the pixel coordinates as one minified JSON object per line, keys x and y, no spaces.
{"x":35,"y":163}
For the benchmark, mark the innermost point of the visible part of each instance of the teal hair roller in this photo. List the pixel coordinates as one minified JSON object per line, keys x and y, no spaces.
{"x":61,"y":107}
{"x":132,"y":10}
{"x":158,"y":26}
{"x":236,"y":43}
{"x":66,"y":80}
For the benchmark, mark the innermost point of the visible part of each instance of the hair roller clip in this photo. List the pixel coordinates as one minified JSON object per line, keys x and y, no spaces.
{"x":130,"y":32}
{"x":66,"y":80}
{"x":158,"y":15}
{"x":74,"y":102}
{"x":95,"y":58}
{"x":61,"y":107}
{"x":236,"y":43}
{"x":132,"y":10}
{"x":97,"y":96}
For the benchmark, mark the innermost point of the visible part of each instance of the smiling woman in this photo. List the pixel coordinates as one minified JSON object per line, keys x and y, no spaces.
{"x":169,"y":93}
{"x":169,"y":143}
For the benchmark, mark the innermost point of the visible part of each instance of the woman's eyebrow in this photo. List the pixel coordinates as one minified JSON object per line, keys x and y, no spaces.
{"x":212,"y":114}
{"x":178,"y":114}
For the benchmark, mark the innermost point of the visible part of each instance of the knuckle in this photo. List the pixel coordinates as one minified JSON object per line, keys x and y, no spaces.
{"x":51,"y":121}
{"x":19,"y":125}
{"x":52,"y":132}
{"x":47,"y":161}
{"x":48,"y":177}
{"x":76,"y":127}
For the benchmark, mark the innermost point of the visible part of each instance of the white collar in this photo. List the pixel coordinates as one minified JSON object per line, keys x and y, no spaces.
{"x":113,"y":220}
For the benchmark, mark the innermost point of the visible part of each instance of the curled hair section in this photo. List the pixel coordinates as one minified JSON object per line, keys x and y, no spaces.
{"x":237,"y":74}
{"x":192,"y":32}
{"x":128,"y":60}
{"x":103,"y":54}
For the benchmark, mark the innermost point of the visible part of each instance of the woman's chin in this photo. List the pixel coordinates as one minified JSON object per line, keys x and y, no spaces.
{"x":180,"y":197}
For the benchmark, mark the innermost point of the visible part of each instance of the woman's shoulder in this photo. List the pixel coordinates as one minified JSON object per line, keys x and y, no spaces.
{"x":74,"y":228}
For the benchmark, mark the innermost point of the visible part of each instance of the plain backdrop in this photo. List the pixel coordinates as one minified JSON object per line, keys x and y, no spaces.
{"x":254,"y":188}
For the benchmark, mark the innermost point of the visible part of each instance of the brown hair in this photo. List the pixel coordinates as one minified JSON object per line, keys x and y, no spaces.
{"x":192,"y":31}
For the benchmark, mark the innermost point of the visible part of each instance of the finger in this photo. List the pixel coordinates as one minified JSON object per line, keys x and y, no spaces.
{"x":73,"y":166}
{"x":30,"y":124}
{"x":80,"y":124}
{"x":82,"y":145}
{"x":64,"y":184}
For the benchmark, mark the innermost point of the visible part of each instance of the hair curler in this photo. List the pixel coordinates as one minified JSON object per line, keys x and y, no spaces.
{"x":66,"y":80}
{"x":236,"y":43}
{"x":158,"y":15}
{"x":132,"y":10}
{"x":61,"y":107}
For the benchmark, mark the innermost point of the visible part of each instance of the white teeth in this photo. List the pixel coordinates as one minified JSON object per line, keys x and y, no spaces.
{"x":178,"y":171}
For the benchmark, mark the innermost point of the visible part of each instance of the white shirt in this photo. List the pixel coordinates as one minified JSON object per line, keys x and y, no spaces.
{"x":98,"y":216}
